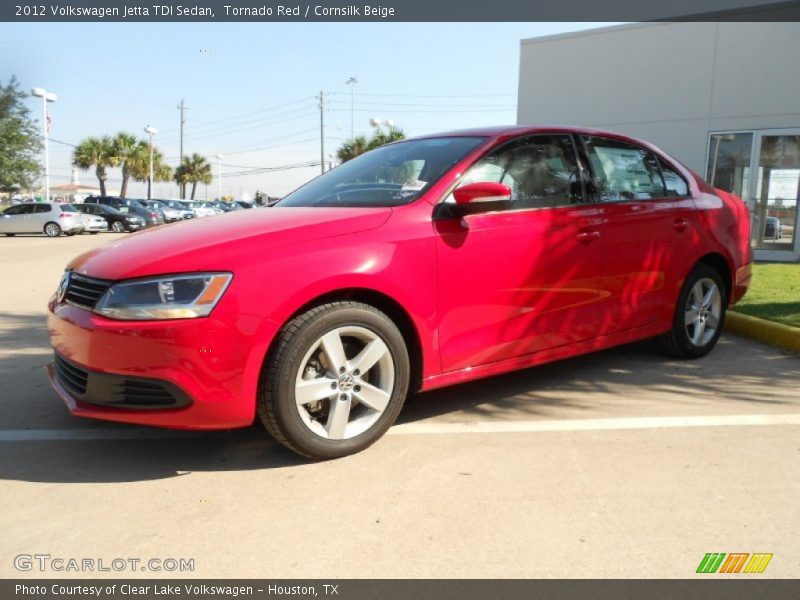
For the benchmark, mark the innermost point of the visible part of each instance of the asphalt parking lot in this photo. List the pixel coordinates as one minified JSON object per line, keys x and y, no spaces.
{"x":616,"y":464}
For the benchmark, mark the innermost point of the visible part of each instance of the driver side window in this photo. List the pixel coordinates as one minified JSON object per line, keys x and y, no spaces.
{"x":541,"y":171}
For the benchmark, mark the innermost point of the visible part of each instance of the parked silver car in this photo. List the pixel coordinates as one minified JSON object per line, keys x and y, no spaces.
{"x":178,"y":207}
{"x":49,"y":218}
{"x":93,"y":223}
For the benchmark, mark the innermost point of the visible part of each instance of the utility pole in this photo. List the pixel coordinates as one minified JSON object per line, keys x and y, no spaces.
{"x":322,"y":131}
{"x":182,"y":108}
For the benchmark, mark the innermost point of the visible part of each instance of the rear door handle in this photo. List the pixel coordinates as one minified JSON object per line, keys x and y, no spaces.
{"x":680,"y":224}
{"x":586,"y":236}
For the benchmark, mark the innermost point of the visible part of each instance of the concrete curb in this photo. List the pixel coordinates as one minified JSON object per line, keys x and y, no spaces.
{"x":769,"y":332}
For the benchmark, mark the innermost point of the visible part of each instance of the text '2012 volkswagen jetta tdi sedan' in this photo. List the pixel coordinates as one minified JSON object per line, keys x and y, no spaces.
{"x":421,"y":264}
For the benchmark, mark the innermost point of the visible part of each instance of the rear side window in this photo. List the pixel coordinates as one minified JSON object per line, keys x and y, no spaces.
{"x":541,"y":171}
{"x":42,"y":208}
{"x":623,"y":172}
{"x":675,"y":184}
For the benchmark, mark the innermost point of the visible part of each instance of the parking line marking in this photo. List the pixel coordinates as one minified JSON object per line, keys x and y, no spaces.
{"x":594,"y":424}
{"x":424,"y":428}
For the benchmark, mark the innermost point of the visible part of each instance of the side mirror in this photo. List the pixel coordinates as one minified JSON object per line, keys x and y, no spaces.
{"x":482,"y":191}
{"x":477,"y":197}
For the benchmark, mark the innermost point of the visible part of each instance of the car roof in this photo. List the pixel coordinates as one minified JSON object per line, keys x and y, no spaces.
{"x":505,"y":131}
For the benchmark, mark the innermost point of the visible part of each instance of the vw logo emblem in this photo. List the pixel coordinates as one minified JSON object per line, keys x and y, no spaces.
{"x":62,"y":287}
{"x":346,"y":382}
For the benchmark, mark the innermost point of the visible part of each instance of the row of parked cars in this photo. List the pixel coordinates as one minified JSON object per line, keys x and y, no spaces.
{"x":106,"y":213}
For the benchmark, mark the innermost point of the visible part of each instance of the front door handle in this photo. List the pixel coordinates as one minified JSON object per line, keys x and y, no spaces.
{"x":680,"y":224}
{"x":587,"y":236}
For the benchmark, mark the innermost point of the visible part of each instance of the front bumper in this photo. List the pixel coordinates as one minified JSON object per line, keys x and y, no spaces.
{"x":212,"y":365}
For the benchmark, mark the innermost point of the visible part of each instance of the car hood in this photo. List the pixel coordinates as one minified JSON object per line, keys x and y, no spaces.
{"x":222,"y":242}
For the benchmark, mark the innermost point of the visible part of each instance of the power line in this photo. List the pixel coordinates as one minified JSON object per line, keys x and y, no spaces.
{"x":440,"y":96}
{"x":440,"y":110}
{"x":243,"y":127}
{"x":247,"y":114}
{"x":428,"y":104}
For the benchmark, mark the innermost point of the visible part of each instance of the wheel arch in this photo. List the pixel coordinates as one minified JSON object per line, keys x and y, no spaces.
{"x":386,"y":304}
{"x":723,"y":267}
{"x":46,"y":223}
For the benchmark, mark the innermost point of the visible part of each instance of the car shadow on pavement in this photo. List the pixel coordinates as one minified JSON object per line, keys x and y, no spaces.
{"x":624,"y":380}
{"x":629,"y":377}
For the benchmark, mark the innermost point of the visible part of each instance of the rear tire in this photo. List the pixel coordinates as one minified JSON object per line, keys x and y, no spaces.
{"x":117,"y":227}
{"x":317,"y":357}
{"x":93,"y":232}
{"x":10,"y":234}
{"x":52,"y":229}
{"x":699,"y":315}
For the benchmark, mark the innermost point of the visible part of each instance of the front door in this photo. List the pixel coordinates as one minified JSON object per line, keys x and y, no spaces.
{"x":17,"y":219}
{"x":526,"y":278}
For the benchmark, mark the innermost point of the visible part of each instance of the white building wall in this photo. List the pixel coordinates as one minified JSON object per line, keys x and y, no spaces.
{"x":668,"y":83}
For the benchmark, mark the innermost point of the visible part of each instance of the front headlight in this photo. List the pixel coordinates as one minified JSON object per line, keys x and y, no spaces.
{"x":167,"y":297}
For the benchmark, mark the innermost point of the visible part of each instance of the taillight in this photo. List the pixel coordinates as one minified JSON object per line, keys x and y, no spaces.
{"x":65,"y":215}
{"x":154,"y":216}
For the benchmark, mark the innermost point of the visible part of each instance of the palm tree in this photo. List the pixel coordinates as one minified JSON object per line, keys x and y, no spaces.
{"x":381,"y":137}
{"x":139,"y":165}
{"x":194,"y":169}
{"x":98,"y":153}
{"x":352,"y":148}
{"x":360,"y":144}
{"x":124,"y":146}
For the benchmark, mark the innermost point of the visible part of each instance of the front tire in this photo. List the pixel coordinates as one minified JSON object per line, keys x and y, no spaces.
{"x":52,"y":230}
{"x":117,"y":227}
{"x":335,"y":381}
{"x":699,"y":315}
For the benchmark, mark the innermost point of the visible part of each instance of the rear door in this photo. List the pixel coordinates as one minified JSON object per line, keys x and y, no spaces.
{"x":648,"y":221}
{"x":525,"y":278}
{"x":43,"y":214}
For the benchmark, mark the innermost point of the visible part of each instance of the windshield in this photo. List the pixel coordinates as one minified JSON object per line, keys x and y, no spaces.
{"x":388,"y":176}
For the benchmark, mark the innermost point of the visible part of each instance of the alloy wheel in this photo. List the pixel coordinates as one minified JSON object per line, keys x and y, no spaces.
{"x":703,"y":312}
{"x":344,"y":383}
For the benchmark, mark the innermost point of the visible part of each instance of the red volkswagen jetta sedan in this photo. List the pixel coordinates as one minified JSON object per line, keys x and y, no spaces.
{"x":421,"y":264}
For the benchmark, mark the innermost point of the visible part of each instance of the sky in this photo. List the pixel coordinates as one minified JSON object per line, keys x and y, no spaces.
{"x":251,"y":88}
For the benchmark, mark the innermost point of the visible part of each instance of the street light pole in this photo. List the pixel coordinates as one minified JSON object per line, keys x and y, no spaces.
{"x":219,"y":176}
{"x":46,"y":97}
{"x":322,"y":131}
{"x":352,"y":83}
{"x":151,"y":131}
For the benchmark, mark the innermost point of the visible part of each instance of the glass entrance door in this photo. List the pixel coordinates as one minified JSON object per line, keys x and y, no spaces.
{"x":771,"y":193}
{"x":775,"y":195}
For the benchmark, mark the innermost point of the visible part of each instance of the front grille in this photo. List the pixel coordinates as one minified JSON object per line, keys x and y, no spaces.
{"x":143,"y":393}
{"x":71,"y":377}
{"x":85,"y":291}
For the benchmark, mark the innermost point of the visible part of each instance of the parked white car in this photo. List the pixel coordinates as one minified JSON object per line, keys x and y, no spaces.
{"x":49,"y":218}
